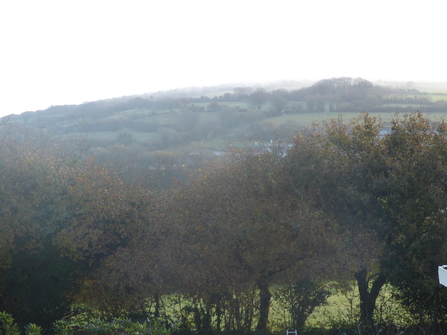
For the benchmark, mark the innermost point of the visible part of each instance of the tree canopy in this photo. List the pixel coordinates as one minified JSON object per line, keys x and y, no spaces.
{"x":390,"y":186}
{"x":347,"y":199}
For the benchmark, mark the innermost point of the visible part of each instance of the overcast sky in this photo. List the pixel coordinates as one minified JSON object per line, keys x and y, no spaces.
{"x":68,"y":52}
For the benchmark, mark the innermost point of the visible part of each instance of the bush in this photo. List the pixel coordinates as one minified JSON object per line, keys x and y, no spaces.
{"x":300,"y":299}
{"x":9,"y":327}
{"x":115,"y":326}
{"x":94,"y":327}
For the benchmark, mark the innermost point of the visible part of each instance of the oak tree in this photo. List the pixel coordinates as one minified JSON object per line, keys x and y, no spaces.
{"x":236,"y":226}
{"x":387,"y":186}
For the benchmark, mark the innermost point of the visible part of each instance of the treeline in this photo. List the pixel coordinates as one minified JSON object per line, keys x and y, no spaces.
{"x":343,"y":202}
{"x":151,"y":128}
{"x":343,"y":94}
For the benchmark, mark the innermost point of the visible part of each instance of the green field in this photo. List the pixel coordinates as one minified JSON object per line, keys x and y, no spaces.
{"x":237,"y":136}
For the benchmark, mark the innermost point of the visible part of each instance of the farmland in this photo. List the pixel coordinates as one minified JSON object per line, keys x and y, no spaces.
{"x":207,"y":211}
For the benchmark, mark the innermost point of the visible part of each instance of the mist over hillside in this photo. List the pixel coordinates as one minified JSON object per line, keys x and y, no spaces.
{"x":188,"y":126}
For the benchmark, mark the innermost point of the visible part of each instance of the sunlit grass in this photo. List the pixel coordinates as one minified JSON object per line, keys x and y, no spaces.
{"x":341,"y":311}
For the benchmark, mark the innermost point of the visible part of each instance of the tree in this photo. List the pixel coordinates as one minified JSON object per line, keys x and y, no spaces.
{"x":339,"y":85}
{"x":112,"y":227}
{"x":125,"y":138}
{"x":39,"y":286}
{"x":229,"y":117}
{"x":187,"y":120}
{"x":259,"y":97}
{"x":242,"y":92}
{"x":416,"y":201}
{"x":36,"y":284}
{"x":214,"y":106}
{"x":278,"y":103}
{"x":66,"y":222}
{"x":384,"y":186}
{"x":263,"y":130}
{"x":235,"y":227}
{"x":300,"y":298}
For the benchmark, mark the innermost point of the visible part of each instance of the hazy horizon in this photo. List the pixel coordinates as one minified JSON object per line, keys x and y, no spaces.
{"x":60,"y":53}
{"x":266,"y":84}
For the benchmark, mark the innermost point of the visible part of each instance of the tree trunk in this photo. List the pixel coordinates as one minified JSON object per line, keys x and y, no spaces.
{"x":368,"y":297}
{"x":264,"y":304}
{"x":157,"y":305}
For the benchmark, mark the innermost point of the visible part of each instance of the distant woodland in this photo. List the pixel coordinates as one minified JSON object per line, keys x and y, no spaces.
{"x":247,"y":212}
{"x":185,"y":128}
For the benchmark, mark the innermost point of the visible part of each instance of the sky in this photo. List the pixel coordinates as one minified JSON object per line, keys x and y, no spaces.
{"x":56,"y":52}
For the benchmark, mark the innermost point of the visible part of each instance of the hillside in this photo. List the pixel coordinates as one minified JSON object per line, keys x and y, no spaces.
{"x":184,"y":128}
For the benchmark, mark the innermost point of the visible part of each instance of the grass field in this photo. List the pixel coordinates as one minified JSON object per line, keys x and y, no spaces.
{"x":237,"y":136}
{"x":438,"y":97}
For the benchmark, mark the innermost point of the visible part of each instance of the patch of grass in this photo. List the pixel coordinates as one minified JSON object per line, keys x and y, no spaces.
{"x":438,"y":97}
{"x":343,"y":311}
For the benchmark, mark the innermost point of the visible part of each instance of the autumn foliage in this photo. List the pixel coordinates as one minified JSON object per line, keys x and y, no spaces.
{"x":345,"y":201}
{"x":236,"y":227}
